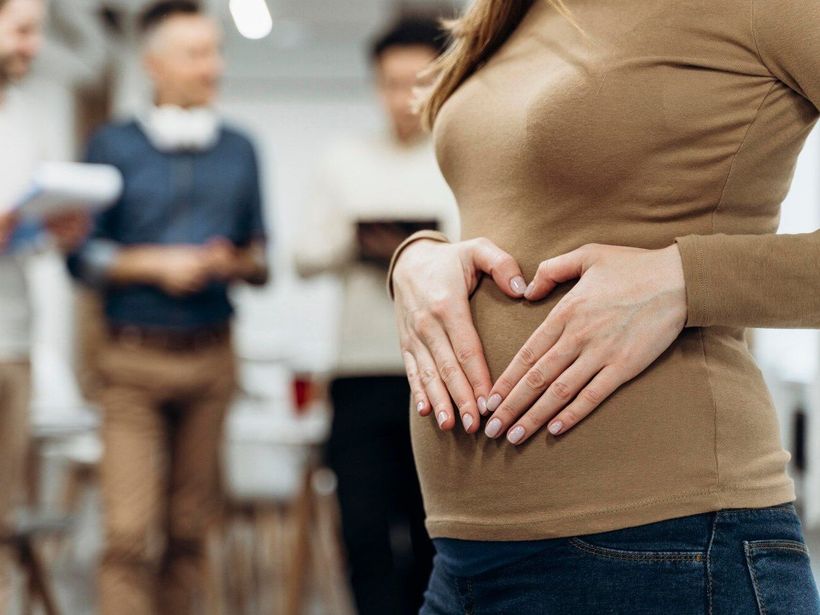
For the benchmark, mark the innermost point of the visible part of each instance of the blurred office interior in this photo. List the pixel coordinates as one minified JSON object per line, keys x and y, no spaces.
{"x":294,"y":89}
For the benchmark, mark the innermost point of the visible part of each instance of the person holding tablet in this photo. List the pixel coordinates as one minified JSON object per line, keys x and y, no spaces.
{"x":369,"y":193}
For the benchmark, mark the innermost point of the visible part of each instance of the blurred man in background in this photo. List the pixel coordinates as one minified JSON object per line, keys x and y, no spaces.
{"x":188,"y":225}
{"x":370,"y":194}
{"x":21,"y":24}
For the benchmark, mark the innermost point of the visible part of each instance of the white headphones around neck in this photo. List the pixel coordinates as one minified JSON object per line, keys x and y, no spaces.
{"x":173,"y":129}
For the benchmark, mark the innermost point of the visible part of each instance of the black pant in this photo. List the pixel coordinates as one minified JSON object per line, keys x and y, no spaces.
{"x":388,"y":550}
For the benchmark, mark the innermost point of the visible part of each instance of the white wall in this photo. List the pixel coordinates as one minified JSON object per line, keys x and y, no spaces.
{"x":794,"y":355}
{"x":290,"y":134}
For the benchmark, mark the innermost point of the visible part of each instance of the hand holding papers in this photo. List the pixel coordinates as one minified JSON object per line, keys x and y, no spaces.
{"x":58,"y":187}
{"x":60,"y":199}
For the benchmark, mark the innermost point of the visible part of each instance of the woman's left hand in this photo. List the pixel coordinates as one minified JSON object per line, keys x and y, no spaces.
{"x":627,"y":308}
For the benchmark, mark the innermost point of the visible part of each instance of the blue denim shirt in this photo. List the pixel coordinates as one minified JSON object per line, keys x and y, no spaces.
{"x":170,"y":198}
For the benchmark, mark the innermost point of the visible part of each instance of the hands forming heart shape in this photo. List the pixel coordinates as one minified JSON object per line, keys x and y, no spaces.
{"x":627,"y":308}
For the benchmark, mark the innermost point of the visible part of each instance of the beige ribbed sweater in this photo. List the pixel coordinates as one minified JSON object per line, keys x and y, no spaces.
{"x":671,"y":121}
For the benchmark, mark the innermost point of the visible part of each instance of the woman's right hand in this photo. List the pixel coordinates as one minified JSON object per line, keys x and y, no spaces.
{"x":432,"y":282}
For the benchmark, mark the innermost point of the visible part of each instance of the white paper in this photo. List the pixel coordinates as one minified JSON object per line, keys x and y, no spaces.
{"x":63,"y":186}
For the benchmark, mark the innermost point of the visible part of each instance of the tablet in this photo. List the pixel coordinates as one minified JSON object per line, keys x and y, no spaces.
{"x":58,"y":187}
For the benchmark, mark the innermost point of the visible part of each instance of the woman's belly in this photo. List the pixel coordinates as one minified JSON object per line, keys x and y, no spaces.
{"x":698,"y":420}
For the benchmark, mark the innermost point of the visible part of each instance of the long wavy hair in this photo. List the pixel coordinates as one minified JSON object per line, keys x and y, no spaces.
{"x":474,"y":37}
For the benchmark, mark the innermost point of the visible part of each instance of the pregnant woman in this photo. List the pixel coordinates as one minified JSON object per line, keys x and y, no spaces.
{"x":593,"y":434}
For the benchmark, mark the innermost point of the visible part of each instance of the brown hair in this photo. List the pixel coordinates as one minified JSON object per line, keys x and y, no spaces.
{"x":155,"y":14}
{"x":475,"y":37}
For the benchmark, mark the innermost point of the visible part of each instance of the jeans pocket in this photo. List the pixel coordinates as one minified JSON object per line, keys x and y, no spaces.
{"x":635,"y":555}
{"x":782,"y":577}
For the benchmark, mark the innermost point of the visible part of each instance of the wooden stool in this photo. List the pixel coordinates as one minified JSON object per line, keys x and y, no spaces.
{"x":264,"y":552}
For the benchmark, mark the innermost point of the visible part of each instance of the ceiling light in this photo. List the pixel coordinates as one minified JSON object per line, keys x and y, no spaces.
{"x":252,"y":18}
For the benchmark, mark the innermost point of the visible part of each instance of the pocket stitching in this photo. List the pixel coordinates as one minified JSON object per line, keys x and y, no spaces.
{"x":636,"y":556}
{"x":747,"y":549}
{"x":782,"y":545}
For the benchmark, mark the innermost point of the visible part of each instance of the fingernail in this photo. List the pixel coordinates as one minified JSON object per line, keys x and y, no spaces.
{"x":529,"y":290}
{"x":468,"y":421}
{"x":518,"y":285}
{"x":493,"y":428}
{"x":493,"y":402}
{"x":442,"y":418}
{"x":515,"y":435}
{"x":420,"y":406}
{"x":482,"y":405}
{"x":556,"y":427}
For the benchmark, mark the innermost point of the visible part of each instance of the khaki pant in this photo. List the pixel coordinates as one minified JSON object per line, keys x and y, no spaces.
{"x":15,"y":391}
{"x":162,"y":429}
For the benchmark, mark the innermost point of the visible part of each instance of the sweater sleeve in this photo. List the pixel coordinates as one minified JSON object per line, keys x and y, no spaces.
{"x":326,"y":239}
{"x":427,"y":234}
{"x":764,"y":280}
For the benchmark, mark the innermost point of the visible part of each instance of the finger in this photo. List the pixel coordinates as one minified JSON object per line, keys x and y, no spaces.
{"x":605,"y":383}
{"x":560,"y":393}
{"x":538,"y":379}
{"x":537,"y":346}
{"x":503,"y":268}
{"x":439,"y":398}
{"x":469,"y":352}
{"x":559,"y":269}
{"x":420,"y":402}
{"x":449,"y":368}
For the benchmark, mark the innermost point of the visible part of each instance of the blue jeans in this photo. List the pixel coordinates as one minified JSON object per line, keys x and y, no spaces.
{"x":734,"y":561}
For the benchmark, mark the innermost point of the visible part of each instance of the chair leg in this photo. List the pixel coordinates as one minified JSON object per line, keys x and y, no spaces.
{"x":33,"y":470}
{"x":301,"y":552}
{"x":78,"y":480}
{"x":328,"y":550}
{"x":265,"y":548}
{"x":27,"y":599}
{"x":237,"y":555}
{"x":37,"y":578}
{"x":231,"y":572}
{"x":278,"y":550}
{"x":215,"y":568}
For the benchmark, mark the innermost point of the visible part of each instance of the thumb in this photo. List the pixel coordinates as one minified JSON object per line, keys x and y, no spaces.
{"x":489,"y":258}
{"x":558,"y":269}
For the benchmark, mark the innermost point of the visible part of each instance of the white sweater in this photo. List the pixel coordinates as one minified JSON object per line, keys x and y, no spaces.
{"x":18,"y":157}
{"x":358,"y":180}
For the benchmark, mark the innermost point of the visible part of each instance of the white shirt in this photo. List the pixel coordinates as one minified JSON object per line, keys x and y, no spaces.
{"x":369,"y":179}
{"x":18,"y":158}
